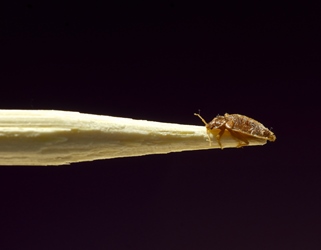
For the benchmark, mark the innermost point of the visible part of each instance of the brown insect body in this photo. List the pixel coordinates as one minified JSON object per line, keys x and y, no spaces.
{"x":240,"y":126}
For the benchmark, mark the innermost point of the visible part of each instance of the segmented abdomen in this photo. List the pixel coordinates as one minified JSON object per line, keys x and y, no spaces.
{"x":248,"y":126}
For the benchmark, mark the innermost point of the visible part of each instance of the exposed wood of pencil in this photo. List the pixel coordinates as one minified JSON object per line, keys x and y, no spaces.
{"x":49,"y":137}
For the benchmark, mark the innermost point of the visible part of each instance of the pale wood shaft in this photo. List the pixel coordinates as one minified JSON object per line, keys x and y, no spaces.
{"x":49,"y":137}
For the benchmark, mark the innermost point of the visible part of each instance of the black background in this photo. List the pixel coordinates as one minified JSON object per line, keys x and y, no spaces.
{"x":164,"y":62}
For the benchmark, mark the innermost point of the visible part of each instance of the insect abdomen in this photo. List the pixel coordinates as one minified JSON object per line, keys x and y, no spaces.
{"x":248,"y":126}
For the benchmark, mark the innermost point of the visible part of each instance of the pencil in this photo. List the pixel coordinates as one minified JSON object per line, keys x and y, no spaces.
{"x":51,"y":137}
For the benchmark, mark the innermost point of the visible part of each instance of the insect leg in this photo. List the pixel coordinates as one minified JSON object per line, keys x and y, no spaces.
{"x":240,"y":138}
{"x":219,"y":135}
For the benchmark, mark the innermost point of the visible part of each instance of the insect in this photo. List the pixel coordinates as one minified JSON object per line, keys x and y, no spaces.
{"x":240,"y":127}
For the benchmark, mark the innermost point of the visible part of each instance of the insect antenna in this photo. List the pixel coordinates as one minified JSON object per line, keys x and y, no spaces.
{"x":201,"y":118}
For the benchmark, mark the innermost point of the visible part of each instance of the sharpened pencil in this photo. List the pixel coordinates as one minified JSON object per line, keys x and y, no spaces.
{"x":50,"y":137}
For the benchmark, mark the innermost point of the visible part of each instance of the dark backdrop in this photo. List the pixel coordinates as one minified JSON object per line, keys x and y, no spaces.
{"x":164,"y":62}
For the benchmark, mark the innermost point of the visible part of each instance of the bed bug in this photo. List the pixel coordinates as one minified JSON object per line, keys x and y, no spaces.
{"x":240,"y":127}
